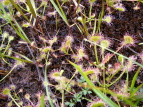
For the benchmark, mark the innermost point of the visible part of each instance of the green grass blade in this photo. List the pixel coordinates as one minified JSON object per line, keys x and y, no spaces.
{"x":47,"y":88}
{"x":133,"y":81}
{"x":61,"y":9}
{"x":18,"y":30}
{"x":2,"y":55}
{"x":95,"y":90}
{"x":42,"y":101}
{"x":31,"y":5}
{"x":60,"y":13}
{"x":24,"y":57}
{"x":15,"y":5}
{"x":100,"y":18}
{"x":137,"y":96}
{"x":4,"y":13}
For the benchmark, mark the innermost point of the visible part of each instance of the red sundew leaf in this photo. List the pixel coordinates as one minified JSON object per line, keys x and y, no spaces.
{"x":107,"y":58}
{"x":117,"y":66}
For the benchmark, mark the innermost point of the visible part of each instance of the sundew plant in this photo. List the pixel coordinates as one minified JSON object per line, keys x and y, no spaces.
{"x":71,"y":53}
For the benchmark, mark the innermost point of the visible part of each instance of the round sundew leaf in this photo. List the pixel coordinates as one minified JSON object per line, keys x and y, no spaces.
{"x":95,"y":38}
{"x":6,"y":91}
{"x":105,"y":43}
{"x":128,"y":40}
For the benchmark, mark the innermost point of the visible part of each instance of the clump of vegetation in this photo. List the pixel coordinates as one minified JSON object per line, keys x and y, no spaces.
{"x":70,"y":53}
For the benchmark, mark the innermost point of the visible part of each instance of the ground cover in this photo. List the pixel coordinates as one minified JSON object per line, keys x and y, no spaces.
{"x":68,"y":53}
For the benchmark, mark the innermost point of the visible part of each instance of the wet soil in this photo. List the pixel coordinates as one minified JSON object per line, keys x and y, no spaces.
{"x":26,"y":78}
